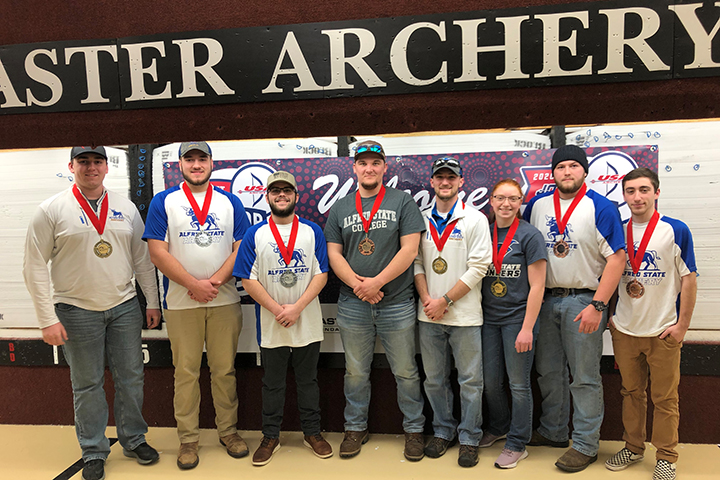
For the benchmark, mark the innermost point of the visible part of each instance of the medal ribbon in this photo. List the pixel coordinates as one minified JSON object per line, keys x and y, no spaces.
{"x":562,"y":222}
{"x":499,"y":255}
{"x":375,"y":208}
{"x":201,"y":214}
{"x":286,"y":252}
{"x":97,"y":221}
{"x":447,"y":230}
{"x":636,"y":258}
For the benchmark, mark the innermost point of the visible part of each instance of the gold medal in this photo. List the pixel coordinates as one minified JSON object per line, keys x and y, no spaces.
{"x":102,"y":249}
{"x":439,"y":265}
{"x":635,"y":289}
{"x":366,"y":246}
{"x":561,"y":249}
{"x":498,"y":288}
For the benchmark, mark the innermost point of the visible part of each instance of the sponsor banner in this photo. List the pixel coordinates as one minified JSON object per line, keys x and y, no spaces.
{"x":582,"y":43}
{"x":322,"y":181}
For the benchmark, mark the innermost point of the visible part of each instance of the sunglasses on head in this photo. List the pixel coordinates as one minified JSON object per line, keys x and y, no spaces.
{"x":369,"y":148}
{"x":447,"y":162}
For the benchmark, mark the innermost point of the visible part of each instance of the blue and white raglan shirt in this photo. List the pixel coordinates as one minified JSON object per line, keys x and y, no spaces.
{"x":593,"y":233}
{"x":172,"y":220}
{"x":669,"y":256}
{"x":259,"y":258}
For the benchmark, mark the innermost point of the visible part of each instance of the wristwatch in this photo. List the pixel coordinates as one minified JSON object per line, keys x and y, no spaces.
{"x":599,"y":305}
{"x":449,"y":301}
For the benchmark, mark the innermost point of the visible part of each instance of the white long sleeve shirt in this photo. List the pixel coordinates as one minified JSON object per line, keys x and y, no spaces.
{"x":61,"y":233}
{"x":468,"y":253}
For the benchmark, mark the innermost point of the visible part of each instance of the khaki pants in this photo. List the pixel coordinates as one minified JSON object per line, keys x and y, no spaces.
{"x":636,"y":356}
{"x":189,"y":330}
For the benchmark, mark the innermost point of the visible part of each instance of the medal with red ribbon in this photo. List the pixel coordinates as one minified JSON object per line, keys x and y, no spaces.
{"x":288,"y":278}
{"x":102,"y":248}
{"x":367,"y":246}
{"x":439,"y":265}
{"x":561,"y":247}
{"x":202,"y":239}
{"x":634,"y":288}
{"x":498,"y":287}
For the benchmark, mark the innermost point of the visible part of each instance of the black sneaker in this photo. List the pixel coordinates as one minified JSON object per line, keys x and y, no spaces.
{"x":437,"y":447}
{"x":94,"y":470}
{"x":143,"y":453}
{"x":468,"y":456}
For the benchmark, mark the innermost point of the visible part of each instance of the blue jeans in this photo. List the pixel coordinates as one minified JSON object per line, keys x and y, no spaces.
{"x":436,"y":343}
{"x":559,"y":345}
{"x":394,"y":323}
{"x":499,"y":358}
{"x":91,"y":336}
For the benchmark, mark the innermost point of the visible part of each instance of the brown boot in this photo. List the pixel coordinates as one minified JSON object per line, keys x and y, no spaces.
{"x":188,"y":456}
{"x":320,"y":447}
{"x":235,"y":445}
{"x":574,"y":461}
{"x":352,"y":443}
{"x":266,"y":450}
{"x":414,"y":446}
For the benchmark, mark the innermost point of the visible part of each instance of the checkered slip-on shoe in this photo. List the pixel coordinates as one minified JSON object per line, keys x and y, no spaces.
{"x":664,"y":470}
{"x":622,"y":459}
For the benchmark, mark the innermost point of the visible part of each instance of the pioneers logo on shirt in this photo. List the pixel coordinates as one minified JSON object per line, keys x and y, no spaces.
{"x":297,"y":264}
{"x":210,"y":227}
{"x":649,"y":273}
{"x":508,"y":270}
{"x":116,"y":216}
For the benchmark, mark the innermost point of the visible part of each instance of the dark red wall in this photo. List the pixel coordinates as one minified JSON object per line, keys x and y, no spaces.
{"x":33,"y":21}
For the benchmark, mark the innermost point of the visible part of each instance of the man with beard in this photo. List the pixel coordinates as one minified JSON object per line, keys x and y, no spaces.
{"x":454,"y":255}
{"x":94,"y":312}
{"x":584,"y":239}
{"x":193,"y":232}
{"x":373,"y":237}
{"x":283,"y":265}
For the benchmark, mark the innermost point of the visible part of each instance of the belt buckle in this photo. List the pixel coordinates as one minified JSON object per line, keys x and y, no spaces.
{"x":560,"y":292}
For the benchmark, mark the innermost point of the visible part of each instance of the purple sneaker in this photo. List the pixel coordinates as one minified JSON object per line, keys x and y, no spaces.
{"x":510,"y":459}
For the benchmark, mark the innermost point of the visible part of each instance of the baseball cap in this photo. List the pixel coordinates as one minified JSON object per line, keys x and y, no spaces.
{"x":369,"y":146}
{"x":451,"y":163}
{"x":185,"y":147}
{"x":80,"y":150}
{"x":281,"y":176}
{"x":570,"y":152}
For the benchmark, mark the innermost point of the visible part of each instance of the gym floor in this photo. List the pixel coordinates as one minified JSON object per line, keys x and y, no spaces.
{"x":52,"y":452}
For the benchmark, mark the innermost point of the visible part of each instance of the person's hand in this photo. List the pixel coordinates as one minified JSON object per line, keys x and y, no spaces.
{"x":589,"y":319}
{"x":203,"y":291}
{"x":367,"y":289}
{"x":153,"y":317}
{"x":55,"y":334}
{"x":435,"y":308}
{"x":289,"y":315}
{"x":523,"y":341}
{"x":676,"y":331}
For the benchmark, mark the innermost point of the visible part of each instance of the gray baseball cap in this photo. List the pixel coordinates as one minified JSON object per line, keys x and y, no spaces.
{"x":80,"y":150}
{"x":185,"y":147}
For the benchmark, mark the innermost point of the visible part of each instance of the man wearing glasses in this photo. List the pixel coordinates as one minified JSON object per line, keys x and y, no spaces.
{"x":193,"y":232}
{"x":373,"y":237}
{"x":455,"y":253}
{"x":584,"y":239}
{"x":283,"y":265}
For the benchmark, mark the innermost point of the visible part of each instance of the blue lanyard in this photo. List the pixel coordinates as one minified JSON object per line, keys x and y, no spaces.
{"x":438,"y":221}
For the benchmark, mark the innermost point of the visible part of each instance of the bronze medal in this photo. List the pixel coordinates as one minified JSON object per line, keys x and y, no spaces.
{"x":561,"y":249}
{"x":498,"y":288}
{"x":439,"y":265}
{"x":103,"y":249}
{"x":202,"y":239}
{"x":288,"y":279}
{"x":366,"y":246}
{"x":635,"y":289}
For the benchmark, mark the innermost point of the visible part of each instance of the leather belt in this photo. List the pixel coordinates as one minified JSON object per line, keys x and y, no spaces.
{"x":564,"y":292}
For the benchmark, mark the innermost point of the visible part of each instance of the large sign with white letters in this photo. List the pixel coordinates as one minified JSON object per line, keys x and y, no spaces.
{"x":595,"y":42}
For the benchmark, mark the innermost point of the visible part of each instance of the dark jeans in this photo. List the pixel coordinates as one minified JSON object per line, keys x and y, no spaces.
{"x":275,"y":361}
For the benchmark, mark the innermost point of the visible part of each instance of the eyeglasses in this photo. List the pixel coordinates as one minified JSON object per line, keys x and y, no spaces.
{"x":369,"y":148}
{"x":502,"y":198}
{"x":287,"y":191}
